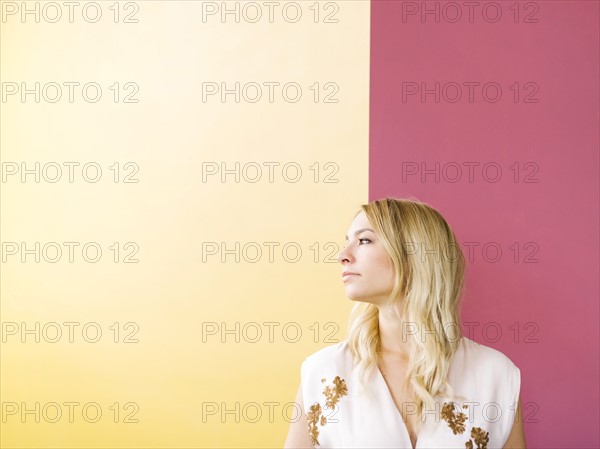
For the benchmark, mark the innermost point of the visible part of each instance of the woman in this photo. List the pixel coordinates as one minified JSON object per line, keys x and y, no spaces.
{"x":405,"y":377}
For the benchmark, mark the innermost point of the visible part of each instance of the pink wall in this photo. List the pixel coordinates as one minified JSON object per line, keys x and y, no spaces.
{"x":549,"y":277}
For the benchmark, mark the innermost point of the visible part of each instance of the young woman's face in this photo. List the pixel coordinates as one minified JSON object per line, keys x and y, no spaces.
{"x":365,"y":255}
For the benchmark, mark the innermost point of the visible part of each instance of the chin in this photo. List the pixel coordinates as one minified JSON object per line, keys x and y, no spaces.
{"x":358,"y":298}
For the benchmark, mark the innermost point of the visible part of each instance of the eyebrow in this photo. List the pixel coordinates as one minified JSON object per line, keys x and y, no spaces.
{"x":359,"y":231}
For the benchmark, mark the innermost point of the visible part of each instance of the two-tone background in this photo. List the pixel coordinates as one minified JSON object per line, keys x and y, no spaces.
{"x":178,"y":177}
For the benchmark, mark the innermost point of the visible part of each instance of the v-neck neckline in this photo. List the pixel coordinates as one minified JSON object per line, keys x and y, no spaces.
{"x":398,"y":414}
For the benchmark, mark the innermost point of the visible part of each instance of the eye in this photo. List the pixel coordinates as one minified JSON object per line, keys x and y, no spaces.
{"x":360,"y":240}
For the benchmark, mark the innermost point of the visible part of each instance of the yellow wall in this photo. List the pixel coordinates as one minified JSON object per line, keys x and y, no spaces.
{"x":169,"y":375}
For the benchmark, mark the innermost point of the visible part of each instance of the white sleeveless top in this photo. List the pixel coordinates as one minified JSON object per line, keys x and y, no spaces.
{"x":485,"y":379}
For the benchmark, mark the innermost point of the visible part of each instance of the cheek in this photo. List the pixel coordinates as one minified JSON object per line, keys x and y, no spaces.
{"x":386,"y":270}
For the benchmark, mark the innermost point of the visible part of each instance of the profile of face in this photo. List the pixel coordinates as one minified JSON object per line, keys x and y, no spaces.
{"x":365,"y":257}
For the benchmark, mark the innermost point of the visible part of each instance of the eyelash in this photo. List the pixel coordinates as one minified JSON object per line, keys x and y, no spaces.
{"x":360,"y":240}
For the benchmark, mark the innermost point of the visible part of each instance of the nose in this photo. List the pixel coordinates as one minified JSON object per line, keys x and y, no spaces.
{"x":343,"y":256}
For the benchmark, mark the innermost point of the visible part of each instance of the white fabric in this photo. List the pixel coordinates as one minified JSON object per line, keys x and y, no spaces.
{"x":488,"y":380}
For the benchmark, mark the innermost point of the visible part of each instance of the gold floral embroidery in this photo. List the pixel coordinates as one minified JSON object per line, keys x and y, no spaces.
{"x":332,"y":396}
{"x":480,"y":436}
{"x":313,"y":420}
{"x":457,"y":424}
{"x":455,"y":421}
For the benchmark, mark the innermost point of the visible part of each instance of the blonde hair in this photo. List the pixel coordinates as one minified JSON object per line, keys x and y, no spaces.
{"x":429,"y":269}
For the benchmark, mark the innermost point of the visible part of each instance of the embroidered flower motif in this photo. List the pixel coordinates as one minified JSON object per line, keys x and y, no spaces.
{"x":480,"y":436}
{"x":332,"y":396}
{"x":313,"y":419}
{"x":455,"y":421}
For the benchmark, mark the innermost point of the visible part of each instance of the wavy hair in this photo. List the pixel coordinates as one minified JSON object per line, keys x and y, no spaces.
{"x":429,"y":270}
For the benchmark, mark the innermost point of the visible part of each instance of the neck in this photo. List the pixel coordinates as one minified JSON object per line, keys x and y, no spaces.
{"x":394,"y":334}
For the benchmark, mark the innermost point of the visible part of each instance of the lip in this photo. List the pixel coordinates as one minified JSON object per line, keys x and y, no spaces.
{"x":348,"y":275}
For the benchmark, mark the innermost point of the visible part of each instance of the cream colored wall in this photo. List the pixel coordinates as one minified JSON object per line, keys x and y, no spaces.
{"x":171,"y":217}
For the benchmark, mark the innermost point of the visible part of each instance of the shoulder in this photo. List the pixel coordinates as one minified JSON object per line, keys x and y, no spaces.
{"x":488,"y":371}
{"x":335,"y":359}
{"x":487,"y":383}
{"x":484,"y":357}
{"x":322,"y":368}
{"x":332,"y":352}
